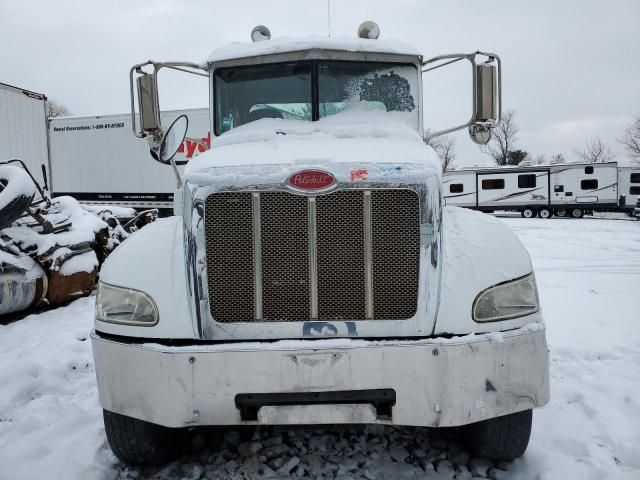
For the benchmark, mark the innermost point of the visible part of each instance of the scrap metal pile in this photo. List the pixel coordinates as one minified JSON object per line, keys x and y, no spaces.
{"x":51,"y":250}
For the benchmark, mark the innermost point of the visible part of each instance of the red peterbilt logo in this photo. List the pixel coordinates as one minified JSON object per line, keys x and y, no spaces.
{"x":311,"y":180}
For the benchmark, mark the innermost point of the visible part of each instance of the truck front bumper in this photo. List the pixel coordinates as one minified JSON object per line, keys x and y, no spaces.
{"x":435,"y":382}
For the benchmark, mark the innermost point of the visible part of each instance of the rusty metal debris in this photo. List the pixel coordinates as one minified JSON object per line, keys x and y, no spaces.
{"x":51,"y":250}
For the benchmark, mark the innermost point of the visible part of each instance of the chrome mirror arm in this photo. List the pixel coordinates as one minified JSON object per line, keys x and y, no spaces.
{"x":448,"y":59}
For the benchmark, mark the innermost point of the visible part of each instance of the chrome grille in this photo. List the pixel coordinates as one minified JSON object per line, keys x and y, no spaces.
{"x":285,"y":257}
{"x":340,"y":256}
{"x":276,"y":256}
{"x":395,"y":234}
{"x":229,"y":234}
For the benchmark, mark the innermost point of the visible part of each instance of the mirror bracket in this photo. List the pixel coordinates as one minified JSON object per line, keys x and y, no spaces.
{"x":145,"y":92}
{"x":486,"y":75}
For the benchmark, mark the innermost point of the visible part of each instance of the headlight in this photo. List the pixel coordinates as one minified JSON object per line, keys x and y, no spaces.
{"x":125,"y":306}
{"x":515,"y":298}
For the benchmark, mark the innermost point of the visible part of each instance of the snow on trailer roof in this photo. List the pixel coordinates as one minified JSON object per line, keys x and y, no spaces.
{"x":516,"y":168}
{"x":311,"y":42}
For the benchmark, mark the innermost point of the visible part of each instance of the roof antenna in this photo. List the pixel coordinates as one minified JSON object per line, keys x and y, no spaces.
{"x":329,"y":17}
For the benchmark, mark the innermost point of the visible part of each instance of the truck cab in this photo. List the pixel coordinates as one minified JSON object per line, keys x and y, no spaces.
{"x":310,"y":275}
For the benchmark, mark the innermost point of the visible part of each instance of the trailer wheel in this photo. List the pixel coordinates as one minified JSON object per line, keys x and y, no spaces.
{"x":16,"y":193}
{"x":528,"y":212}
{"x":561,"y":212}
{"x":544,"y":213}
{"x":139,"y":443}
{"x":577,"y":213}
{"x":500,"y":438}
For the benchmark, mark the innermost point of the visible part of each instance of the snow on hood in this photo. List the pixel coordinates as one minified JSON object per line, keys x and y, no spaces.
{"x":288,"y":44}
{"x":349,"y":137}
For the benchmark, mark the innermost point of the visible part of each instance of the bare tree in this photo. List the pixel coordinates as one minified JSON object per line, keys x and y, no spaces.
{"x":445,"y":147}
{"x":631,"y":139}
{"x":558,"y":158}
{"x":540,"y":159}
{"x":503,"y":139}
{"x":55,"y":109}
{"x":595,"y":151}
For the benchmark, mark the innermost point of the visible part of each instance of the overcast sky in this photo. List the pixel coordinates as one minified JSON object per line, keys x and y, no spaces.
{"x":571,"y":67}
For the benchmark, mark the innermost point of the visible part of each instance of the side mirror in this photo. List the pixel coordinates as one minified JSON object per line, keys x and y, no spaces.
{"x":172,"y":139}
{"x":480,"y":133}
{"x":148,"y":104}
{"x":486,"y":97}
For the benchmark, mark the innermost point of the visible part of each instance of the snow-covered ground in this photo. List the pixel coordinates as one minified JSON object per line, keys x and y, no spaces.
{"x":588,"y":273}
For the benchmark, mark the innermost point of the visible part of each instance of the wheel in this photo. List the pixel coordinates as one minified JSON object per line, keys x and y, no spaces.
{"x":561,"y":212}
{"x":528,"y":213}
{"x":139,"y":443}
{"x":500,"y":438}
{"x":577,"y":213}
{"x":16,"y":193}
{"x":544,"y":213}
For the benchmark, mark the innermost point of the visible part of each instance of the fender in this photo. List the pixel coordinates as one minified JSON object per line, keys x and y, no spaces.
{"x":479,"y":251}
{"x":152,"y":261}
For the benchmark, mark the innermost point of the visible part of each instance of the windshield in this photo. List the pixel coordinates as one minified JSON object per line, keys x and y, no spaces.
{"x":286,"y":90}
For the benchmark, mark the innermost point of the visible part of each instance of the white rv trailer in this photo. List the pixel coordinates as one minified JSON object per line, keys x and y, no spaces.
{"x":96,"y":159}
{"x":564,"y":189}
{"x":629,"y":186}
{"x":23,"y":128}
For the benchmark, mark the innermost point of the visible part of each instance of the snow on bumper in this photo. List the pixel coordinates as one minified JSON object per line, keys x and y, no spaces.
{"x":436,"y":382}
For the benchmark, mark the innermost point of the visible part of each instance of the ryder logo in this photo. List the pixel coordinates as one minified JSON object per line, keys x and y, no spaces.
{"x":188,"y":148}
{"x":311,"y":180}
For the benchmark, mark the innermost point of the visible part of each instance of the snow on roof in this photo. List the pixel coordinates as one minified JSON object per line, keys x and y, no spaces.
{"x":289,"y":44}
{"x":346,"y":138}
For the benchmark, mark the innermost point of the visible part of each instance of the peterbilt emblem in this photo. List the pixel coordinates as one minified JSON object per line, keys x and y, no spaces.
{"x":311,"y":180}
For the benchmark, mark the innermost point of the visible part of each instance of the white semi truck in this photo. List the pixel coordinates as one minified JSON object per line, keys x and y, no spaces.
{"x":310,"y":274}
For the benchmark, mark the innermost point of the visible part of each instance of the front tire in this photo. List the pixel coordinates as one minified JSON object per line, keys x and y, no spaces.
{"x":139,"y":443}
{"x":500,"y":438}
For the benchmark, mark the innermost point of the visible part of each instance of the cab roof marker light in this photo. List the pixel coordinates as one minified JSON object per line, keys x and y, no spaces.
{"x":260,"y":33}
{"x":369,"y":30}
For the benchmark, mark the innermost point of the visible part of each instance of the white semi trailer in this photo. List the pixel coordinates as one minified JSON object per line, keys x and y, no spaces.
{"x":23,"y":128}
{"x":310,"y":274}
{"x":96,"y":160}
{"x":569,"y":189}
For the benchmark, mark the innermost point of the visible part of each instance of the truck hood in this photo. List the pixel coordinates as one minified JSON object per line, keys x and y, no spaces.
{"x":345,"y":140}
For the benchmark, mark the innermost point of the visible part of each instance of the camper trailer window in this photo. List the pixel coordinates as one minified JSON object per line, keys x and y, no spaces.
{"x":589,"y":184}
{"x":493,"y":184}
{"x":558,"y":188}
{"x":635,"y":178}
{"x":588,"y":170}
{"x":634,"y":191}
{"x":456,"y":188}
{"x":527,"y":181}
